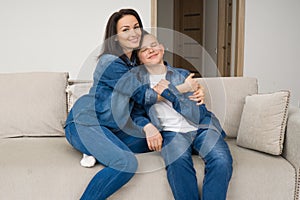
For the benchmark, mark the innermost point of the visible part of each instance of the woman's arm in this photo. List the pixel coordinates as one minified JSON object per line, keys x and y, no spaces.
{"x":191,"y":85}
{"x":113,"y":72}
{"x":180,"y":102}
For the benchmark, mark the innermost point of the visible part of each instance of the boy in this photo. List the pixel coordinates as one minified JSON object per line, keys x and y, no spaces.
{"x":185,"y":128}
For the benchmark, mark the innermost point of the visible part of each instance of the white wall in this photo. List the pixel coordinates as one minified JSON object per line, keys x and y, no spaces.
{"x":40,"y":35}
{"x":272,"y":45}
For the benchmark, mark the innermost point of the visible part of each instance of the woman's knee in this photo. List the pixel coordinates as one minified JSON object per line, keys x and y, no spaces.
{"x":126,"y":163}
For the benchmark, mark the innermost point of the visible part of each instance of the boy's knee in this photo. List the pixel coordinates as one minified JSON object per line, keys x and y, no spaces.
{"x":223,"y":164}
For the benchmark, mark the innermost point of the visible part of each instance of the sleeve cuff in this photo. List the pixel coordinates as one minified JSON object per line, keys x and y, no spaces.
{"x":143,"y":122}
{"x":171,"y":93}
{"x":150,"y":97}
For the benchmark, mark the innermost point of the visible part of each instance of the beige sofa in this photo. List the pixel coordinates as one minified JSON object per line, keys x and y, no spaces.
{"x":36,"y":162}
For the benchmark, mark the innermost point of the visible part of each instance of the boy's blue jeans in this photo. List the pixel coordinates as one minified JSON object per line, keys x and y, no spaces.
{"x":211,"y":147}
{"x":113,"y":150}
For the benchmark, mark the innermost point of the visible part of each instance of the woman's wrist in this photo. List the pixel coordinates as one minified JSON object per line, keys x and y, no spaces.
{"x":182,"y":88}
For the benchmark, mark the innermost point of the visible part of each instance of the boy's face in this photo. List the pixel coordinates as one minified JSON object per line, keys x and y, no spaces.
{"x":151,"y":52}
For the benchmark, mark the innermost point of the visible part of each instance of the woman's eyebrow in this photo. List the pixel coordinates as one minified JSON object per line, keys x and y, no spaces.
{"x":128,"y":26}
{"x":125,"y":26}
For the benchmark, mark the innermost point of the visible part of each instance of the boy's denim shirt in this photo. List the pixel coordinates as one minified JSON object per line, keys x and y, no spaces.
{"x":197,"y":115}
{"x":99,"y":107}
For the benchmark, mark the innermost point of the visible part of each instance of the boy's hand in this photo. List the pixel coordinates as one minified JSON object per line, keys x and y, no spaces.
{"x":153,"y":136}
{"x":161,"y":86}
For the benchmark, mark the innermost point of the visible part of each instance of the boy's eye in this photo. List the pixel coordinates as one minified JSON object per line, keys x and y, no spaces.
{"x":154,"y":44}
{"x":143,"y":50}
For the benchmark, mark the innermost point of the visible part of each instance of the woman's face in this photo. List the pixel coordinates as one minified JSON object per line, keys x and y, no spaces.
{"x":128,"y":33}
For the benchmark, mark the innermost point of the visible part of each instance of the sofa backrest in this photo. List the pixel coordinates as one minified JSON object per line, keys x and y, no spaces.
{"x":33,"y":104}
{"x":225,"y":97}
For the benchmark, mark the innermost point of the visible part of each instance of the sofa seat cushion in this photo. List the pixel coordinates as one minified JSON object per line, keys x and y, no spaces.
{"x":41,"y":168}
{"x":48,"y":168}
{"x":260,"y":176}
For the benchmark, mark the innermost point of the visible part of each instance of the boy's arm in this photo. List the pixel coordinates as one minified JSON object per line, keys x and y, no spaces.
{"x":183,"y":105}
{"x":152,"y":134}
{"x":139,"y":116}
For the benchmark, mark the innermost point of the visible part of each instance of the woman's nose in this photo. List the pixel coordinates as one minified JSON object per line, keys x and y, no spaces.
{"x":132,"y":32}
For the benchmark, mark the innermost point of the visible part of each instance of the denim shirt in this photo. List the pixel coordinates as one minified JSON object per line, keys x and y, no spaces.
{"x":197,"y":115}
{"x":99,"y":107}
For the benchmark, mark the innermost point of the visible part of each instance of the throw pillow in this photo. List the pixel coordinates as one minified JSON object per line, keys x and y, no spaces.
{"x":76,"y":89}
{"x":263,"y":122}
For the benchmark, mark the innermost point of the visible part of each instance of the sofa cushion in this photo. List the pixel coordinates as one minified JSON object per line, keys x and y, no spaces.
{"x":263,"y":122}
{"x":260,"y":176}
{"x":48,"y":168}
{"x":226,"y":97}
{"x":32,"y":104}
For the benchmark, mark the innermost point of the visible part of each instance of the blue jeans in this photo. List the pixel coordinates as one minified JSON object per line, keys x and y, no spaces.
{"x":114,"y":150}
{"x":211,"y":147}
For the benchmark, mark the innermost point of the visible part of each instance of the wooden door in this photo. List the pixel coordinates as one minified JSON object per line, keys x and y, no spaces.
{"x":188,"y":20}
{"x":224,"y":37}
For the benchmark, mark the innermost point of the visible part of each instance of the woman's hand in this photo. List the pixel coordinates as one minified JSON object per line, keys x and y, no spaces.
{"x":191,"y":84}
{"x":161,"y":86}
{"x":153,"y":136}
{"x":198,"y":95}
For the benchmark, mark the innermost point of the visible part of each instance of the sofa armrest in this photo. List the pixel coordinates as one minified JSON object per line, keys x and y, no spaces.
{"x":291,"y":150}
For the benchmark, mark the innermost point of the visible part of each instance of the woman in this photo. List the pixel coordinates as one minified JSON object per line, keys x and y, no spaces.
{"x":94,"y":129}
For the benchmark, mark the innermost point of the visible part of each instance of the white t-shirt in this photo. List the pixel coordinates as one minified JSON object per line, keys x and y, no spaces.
{"x":169,"y":118}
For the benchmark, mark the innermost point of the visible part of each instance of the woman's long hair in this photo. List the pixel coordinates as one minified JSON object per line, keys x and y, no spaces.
{"x":111,"y":45}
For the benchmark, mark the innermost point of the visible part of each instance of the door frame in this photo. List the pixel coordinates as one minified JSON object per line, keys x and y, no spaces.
{"x":239,"y":36}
